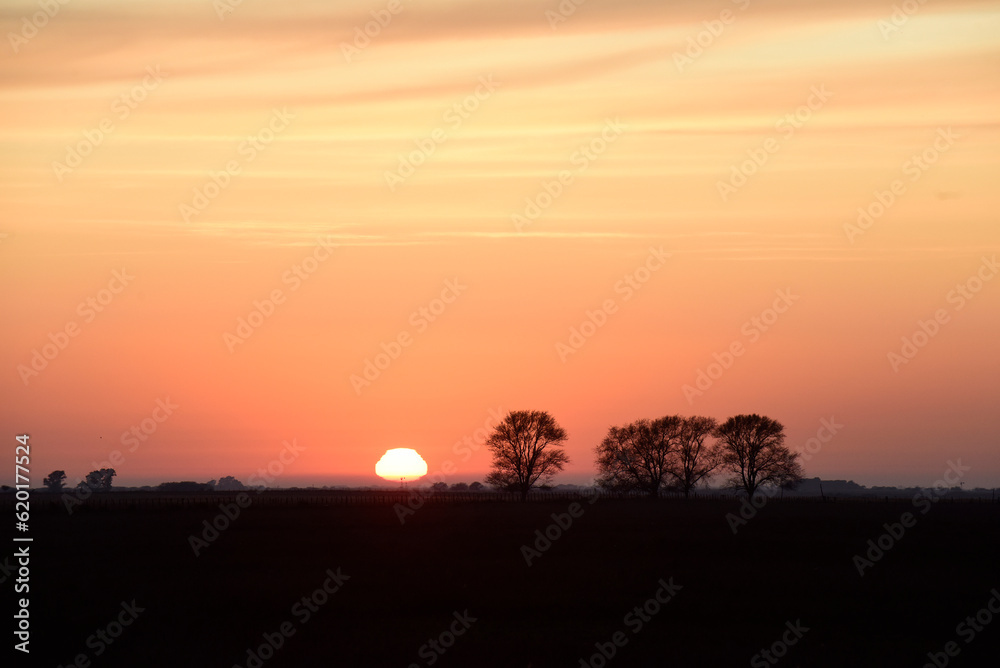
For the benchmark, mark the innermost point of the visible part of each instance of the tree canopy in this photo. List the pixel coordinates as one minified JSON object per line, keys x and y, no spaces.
{"x":100,"y":480}
{"x":693,"y":459}
{"x":527,"y":450}
{"x":752,"y":450}
{"x":637,"y":456}
{"x":55,"y":481}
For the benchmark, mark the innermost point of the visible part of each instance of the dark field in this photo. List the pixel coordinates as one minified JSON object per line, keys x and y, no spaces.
{"x":792,"y":563}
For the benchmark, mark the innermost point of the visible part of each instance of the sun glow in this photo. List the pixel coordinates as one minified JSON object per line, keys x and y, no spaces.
{"x":401,"y":464}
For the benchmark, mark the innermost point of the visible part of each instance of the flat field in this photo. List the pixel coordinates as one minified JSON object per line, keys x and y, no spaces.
{"x":452,"y":587}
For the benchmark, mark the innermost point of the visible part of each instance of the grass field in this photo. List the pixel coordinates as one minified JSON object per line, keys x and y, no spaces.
{"x":455,"y":573}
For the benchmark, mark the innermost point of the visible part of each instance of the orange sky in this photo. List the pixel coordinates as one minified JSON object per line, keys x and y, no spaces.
{"x":214,"y":161}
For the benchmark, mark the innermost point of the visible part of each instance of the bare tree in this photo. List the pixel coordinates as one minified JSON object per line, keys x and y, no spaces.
{"x":752,"y":449}
{"x":692,"y":460}
{"x":637,"y":456}
{"x":54,"y":481}
{"x":527,"y":449}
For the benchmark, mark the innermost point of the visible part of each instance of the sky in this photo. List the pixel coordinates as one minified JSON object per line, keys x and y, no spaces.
{"x":246,"y":236}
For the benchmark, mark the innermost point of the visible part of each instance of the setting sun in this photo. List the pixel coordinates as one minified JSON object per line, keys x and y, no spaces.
{"x":402,"y":464}
{"x":636,"y":298}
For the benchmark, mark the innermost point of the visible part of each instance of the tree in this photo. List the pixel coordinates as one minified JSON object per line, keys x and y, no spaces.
{"x":440,"y":487}
{"x":752,"y":449}
{"x":637,"y":456}
{"x":100,"y":481}
{"x":229,"y":484}
{"x":476,"y":487}
{"x":460,"y":487}
{"x":527,"y":449}
{"x":54,"y":481}
{"x":692,"y":460}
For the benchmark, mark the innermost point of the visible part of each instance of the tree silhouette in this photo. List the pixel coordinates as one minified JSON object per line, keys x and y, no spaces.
{"x":693,"y":460}
{"x":637,"y":456}
{"x":440,"y":487}
{"x":527,"y":449}
{"x":460,"y":487}
{"x":752,"y":449}
{"x":54,"y":481}
{"x":229,"y":484}
{"x":476,"y":487}
{"x":100,"y":481}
